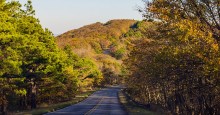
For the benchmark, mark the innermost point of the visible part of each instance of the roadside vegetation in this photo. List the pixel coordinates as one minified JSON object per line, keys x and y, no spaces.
{"x":176,"y":65}
{"x":33,"y":69}
{"x":45,"y":108}
{"x":133,"y":108}
{"x":170,"y":60}
{"x":36,"y":68}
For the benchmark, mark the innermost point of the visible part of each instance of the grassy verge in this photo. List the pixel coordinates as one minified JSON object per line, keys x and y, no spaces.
{"x":54,"y":107}
{"x":131,"y":107}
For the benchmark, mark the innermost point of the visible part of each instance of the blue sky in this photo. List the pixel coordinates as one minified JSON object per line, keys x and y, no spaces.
{"x":62,"y":15}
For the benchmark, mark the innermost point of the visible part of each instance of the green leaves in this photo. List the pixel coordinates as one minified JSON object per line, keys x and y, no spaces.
{"x":29,"y":8}
{"x":32,"y":67}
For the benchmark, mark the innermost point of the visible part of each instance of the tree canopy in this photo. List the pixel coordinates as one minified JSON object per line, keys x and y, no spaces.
{"x":177,"y":65}
{"x":33,"y":69}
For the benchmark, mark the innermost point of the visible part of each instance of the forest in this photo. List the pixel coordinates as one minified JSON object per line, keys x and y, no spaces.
{"x":33,"y":69}
{"x":169,"y":60}
{"x":177,"y":65}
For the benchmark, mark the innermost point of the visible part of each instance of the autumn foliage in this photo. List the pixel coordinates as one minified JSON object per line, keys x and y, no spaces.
{"x":177,"y":66}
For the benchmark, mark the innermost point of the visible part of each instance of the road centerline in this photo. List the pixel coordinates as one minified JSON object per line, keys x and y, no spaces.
{"x":93,"y":109}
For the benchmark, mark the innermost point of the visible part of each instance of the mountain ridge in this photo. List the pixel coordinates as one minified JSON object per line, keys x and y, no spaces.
{"x":104,"y":43}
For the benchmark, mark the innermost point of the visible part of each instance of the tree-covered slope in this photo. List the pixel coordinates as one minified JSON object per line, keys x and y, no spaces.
{"x":105,"y":44}
{"x":113,"y":28}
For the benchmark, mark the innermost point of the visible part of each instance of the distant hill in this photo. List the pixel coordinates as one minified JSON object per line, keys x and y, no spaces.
{"x":97,"y":38}
{"x":114,"y":28}
{"x":105,"y":44}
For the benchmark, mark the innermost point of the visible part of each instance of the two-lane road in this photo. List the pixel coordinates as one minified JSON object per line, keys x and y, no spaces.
{"x":102,"y":102}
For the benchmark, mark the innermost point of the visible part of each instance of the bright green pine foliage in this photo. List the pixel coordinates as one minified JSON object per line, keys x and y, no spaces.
{"x":33,"y":70}
{"x":27,"y":52}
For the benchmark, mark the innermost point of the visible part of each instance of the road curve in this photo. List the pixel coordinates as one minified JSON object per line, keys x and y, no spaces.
{"x":102,"y":102}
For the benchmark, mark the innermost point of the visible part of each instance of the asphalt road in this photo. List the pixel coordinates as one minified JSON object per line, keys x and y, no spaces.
{"x":102,"y":102}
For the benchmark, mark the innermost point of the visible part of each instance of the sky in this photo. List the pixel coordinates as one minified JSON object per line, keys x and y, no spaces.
{"x":60,"y":16}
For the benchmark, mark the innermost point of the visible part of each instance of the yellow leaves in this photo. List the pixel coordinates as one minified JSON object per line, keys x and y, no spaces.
{"x":176,"y":51}
{"x":152,"y":8}
{"x":215,"y":47}
{"x":20,"y":92}
{"x":69,"y":70}
{"x":199,"y":55}
{"x":189,"y":26}
{"x":189,"y":31}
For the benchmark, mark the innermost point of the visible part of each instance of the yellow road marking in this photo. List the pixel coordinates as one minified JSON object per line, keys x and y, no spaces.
{"x":91,"y":110}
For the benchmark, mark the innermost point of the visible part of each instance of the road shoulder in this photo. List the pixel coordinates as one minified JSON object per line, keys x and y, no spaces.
{"x":131,"y":108}
{"x":50,"y":108}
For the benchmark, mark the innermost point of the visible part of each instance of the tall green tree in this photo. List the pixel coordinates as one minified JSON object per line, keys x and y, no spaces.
{"x":27,"y":51}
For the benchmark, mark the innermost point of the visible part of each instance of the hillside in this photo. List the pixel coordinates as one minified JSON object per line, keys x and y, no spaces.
{"x":113,"y":28}
{"x":103,"y":43}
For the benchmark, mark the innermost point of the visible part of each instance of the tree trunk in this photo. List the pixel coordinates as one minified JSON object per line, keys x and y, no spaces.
{"x":165,"y":96}
{"x":4,"y":106}
{"x":23,"y":102}
{"x":33,"y":94}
